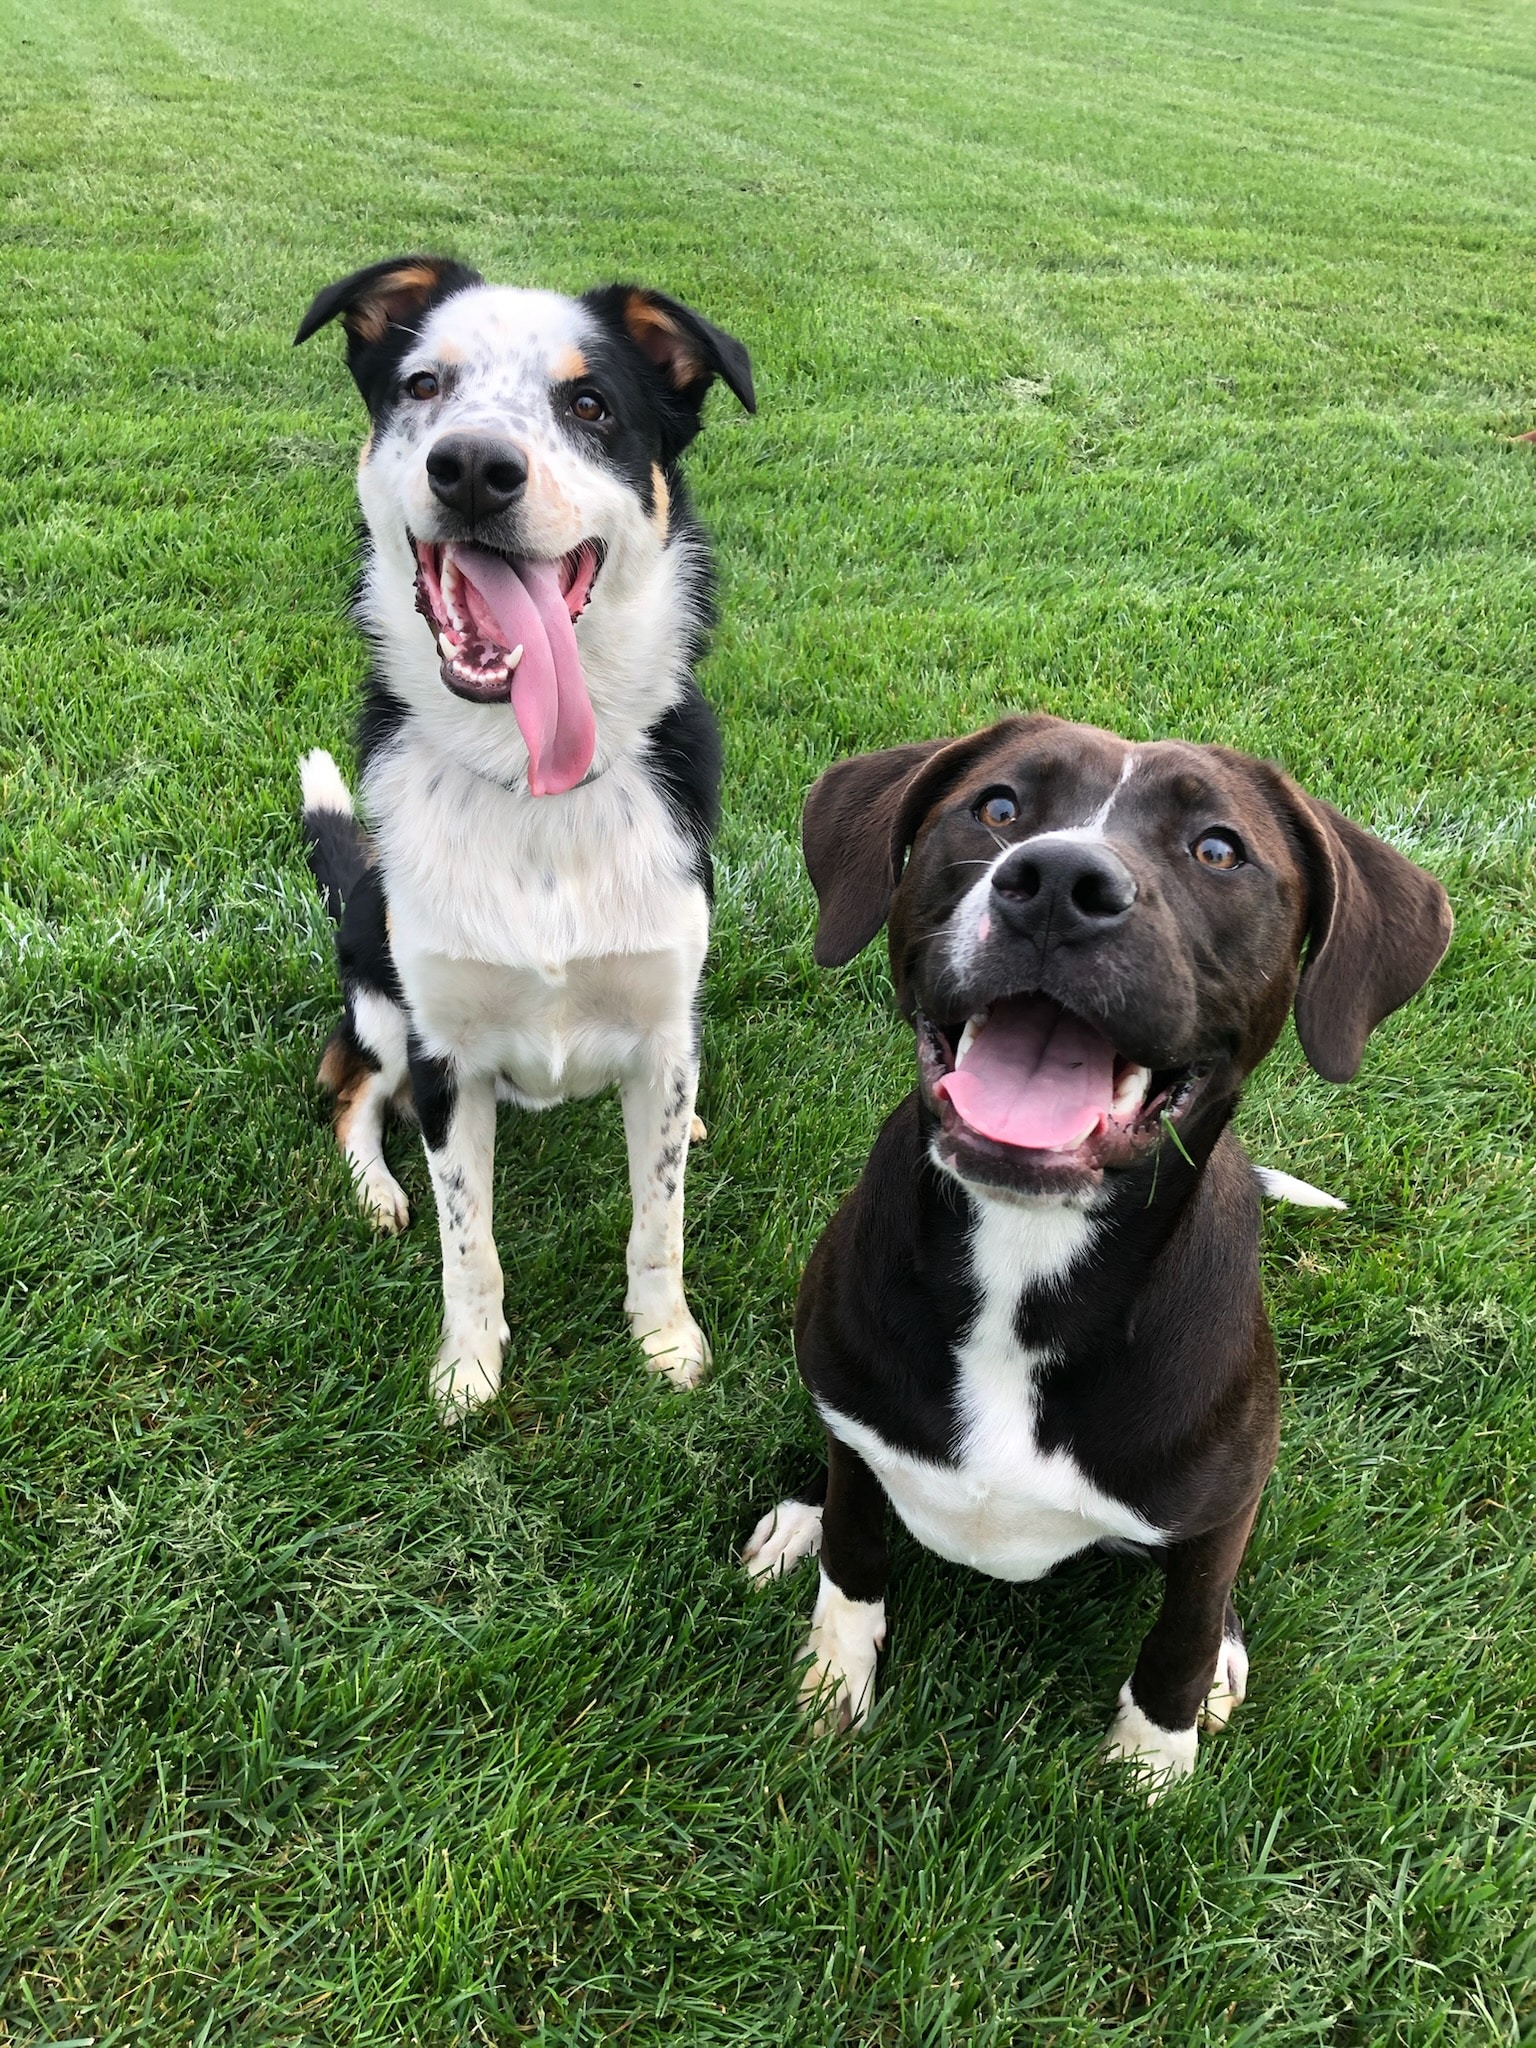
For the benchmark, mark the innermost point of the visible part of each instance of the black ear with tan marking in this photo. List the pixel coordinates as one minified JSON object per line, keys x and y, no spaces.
{"x":690,"y":351}
{"x":392,"y":294}
{"x":860,"y":817}
{"x":1378,"y":927}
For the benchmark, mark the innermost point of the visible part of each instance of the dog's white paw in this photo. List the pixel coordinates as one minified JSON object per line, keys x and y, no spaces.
{"x":784,"y":1536}
{"x":697,"y":1133}
{"x":1158,"y":1756}
{"x":468,"y":1370}
{"x":1228,"y":1689}
{"x":382,"y":1198}
{"x":673,"y":1344}
{"x":837,"y":1687}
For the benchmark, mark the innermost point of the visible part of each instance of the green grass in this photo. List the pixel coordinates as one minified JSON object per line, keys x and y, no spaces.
{"x":1153,"y":363}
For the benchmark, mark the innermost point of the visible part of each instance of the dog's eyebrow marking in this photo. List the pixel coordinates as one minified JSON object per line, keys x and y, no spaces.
{"x":1100,"y":817}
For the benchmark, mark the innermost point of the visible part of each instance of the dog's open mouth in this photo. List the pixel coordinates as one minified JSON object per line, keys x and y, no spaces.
{"x":1029,"y":1086}
{"x":505,"y":627}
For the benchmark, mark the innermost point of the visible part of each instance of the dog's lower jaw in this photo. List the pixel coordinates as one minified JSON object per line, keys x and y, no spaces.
{"x":837,"y":1688}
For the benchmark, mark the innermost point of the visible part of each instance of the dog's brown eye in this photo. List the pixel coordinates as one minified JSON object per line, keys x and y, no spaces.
{"x":589,"y":408}
{"x":1217,"y":850}
{"x":997,"y":809}
{"x":423,"y":385}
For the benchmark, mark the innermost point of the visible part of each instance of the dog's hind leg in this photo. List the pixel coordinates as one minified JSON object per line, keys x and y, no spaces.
{"x":458,"y":1123}
{"x":658,"y":1116}
{"x":364,"y":1066}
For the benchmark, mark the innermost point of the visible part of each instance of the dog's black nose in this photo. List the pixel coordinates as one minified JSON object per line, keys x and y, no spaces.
{"x":475,"y":475}
{"x":1069,"y":888}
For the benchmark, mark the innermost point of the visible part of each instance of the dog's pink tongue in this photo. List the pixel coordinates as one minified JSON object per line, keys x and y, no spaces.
{"x":549,"y":691}
{"x":1033,"y":1075}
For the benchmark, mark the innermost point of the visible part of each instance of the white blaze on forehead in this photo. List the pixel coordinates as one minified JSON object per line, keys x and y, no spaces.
{"x":1100,"y":817}
{"x":493,"y":331}
{"x":971,"y":925}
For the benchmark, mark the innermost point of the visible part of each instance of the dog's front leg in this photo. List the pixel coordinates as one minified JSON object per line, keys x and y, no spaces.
{"x":848,"y":1623}
{"x":658,"y":1118}
{"x":458,"y":1123}
{"x":1193,"y":1666}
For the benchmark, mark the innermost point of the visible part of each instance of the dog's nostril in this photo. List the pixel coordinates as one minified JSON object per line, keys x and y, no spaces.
{"x":1101,"y":894}
{"x":505,"y":477}
{"x":1022,"y":881}
{"x":444,"y":467}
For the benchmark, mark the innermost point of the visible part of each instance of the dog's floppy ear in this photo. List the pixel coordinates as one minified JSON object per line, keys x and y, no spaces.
{"x":690,"y":351}
{"x":371,"y":301}
{"x":860,"y":817}
{"x":395,"y":293}
{"x":1377,"y":928}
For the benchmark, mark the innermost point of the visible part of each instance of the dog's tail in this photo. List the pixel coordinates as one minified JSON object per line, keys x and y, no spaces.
{"x":333,"y":839}
{"x":1284,"y":1187}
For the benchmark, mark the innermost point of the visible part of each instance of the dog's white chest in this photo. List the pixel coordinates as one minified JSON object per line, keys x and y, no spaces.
{"x":543,"y":940}
{"x":478,"y":872}
{"x":1003,"y":1505}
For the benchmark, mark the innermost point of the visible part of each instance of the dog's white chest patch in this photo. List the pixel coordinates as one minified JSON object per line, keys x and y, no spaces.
{"x":543,"y":940}
{"x":1002,"y":1505}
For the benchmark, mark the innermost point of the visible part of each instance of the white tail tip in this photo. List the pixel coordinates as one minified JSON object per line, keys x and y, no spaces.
{"x":1284,"y":1187}
{"x":320,"y":780}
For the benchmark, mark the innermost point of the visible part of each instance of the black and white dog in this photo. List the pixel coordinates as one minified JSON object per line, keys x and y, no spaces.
{"x":1036,"y":1324}
{"x":529,"y":913}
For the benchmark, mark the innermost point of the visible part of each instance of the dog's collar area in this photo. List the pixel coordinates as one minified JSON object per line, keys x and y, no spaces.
{"x":1027,"y":1085}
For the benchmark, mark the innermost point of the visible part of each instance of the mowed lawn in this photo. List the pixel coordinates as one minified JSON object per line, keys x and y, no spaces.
{"x":1155,"y":364}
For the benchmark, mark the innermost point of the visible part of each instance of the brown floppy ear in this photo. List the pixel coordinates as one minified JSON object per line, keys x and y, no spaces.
{"x":860,"y":817}
{"x":690,"y":351}
{"x":1378,"y":927}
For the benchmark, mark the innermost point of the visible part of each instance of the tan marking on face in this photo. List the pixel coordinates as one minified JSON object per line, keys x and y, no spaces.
{"x":567,"y":366}
{"x":365,"y":452}
{"x":662,"y":511}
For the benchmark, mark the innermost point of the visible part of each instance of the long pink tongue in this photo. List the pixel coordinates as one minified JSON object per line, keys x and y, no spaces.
{"x":1033,"y":1075}
{"x":549,"y":691}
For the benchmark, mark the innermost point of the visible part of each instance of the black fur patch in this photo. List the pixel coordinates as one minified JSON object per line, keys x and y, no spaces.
{"x":362,"y":943}
{"x":434,"y":1092}
{"x":380,"y":718}
{"x":674,"y":414}
{"x":338,"y":854}
{"x":684,"y":752}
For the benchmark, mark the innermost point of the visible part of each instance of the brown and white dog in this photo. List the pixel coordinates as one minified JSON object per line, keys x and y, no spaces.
{"x":1036,"y":1324}
{"x":527,"y":918}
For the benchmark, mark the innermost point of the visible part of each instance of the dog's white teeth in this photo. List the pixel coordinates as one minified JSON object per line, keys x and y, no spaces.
{"x":515,"y":656}
{"x":972,"y":1026}
{"x":1131,"y":1090}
